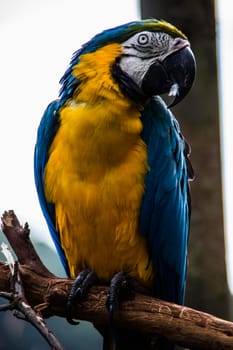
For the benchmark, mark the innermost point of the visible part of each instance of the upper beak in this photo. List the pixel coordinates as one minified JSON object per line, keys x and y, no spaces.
{"x":174,"y":75}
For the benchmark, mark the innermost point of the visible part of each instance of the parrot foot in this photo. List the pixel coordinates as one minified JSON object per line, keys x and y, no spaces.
{"x":82,"y":283}
{"x":122,"y":286}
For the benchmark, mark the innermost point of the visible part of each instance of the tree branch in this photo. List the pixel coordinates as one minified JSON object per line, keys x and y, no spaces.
{"x":48,"y":294}
{"x":24,"y":311}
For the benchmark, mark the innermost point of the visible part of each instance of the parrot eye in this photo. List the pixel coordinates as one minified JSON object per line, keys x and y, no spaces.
{"x":143,"y":39}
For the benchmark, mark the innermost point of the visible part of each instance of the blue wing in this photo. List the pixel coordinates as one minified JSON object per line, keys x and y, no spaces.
{"x":46,"y":132}
{"x":165,"y":210}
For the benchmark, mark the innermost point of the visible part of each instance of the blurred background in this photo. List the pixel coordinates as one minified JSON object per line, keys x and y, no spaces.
{"x":37,"y":40}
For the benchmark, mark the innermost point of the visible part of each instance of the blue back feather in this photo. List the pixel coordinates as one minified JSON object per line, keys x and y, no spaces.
{"x":164,"y":219}
{"x":46,"y":132}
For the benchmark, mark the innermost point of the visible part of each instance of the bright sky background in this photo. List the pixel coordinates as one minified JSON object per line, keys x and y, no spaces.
{"x":37,"y":39}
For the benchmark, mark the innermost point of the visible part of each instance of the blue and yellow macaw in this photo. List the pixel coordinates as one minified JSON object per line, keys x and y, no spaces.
{"x":111,"y":165}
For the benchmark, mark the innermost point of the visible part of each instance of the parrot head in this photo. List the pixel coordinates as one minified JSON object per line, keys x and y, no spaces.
{"x":155,"y":58}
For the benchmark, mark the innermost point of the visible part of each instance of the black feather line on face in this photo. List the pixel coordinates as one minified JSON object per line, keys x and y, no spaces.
{"x":127,"y":85}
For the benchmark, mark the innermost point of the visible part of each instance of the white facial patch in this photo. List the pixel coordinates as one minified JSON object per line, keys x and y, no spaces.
{"x":135,"y":67}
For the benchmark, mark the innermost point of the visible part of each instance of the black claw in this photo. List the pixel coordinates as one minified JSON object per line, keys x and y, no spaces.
{"x":79,"y":288}
{"x":118,"y":282}
{"x":122,"y":286}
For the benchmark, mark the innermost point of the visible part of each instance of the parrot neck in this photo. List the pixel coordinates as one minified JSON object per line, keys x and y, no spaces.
{"x":100,"y":116}
{"x":97,"y":73}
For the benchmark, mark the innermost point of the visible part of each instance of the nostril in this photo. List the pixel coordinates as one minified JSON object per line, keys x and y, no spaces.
{"x":179,"y":43}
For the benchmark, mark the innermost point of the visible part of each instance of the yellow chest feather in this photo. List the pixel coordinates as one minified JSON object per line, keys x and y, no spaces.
{"x":95,"y":178}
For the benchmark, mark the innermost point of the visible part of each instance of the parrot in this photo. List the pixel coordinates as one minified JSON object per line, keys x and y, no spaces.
{"x":112,"y":167}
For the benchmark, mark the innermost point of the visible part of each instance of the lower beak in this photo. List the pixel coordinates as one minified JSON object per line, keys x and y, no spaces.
{"x":174,"y":75}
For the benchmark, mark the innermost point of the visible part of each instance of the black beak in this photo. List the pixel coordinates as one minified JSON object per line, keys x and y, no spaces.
{"x":174,"y":75}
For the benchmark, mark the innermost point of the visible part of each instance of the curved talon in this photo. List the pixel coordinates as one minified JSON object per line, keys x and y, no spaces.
{"x":118,"y":282}
{"x":82,"y":283}
{"x":122,"y":286}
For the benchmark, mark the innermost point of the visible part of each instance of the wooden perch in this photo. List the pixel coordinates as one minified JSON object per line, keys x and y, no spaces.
{"x":48,"y":294}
